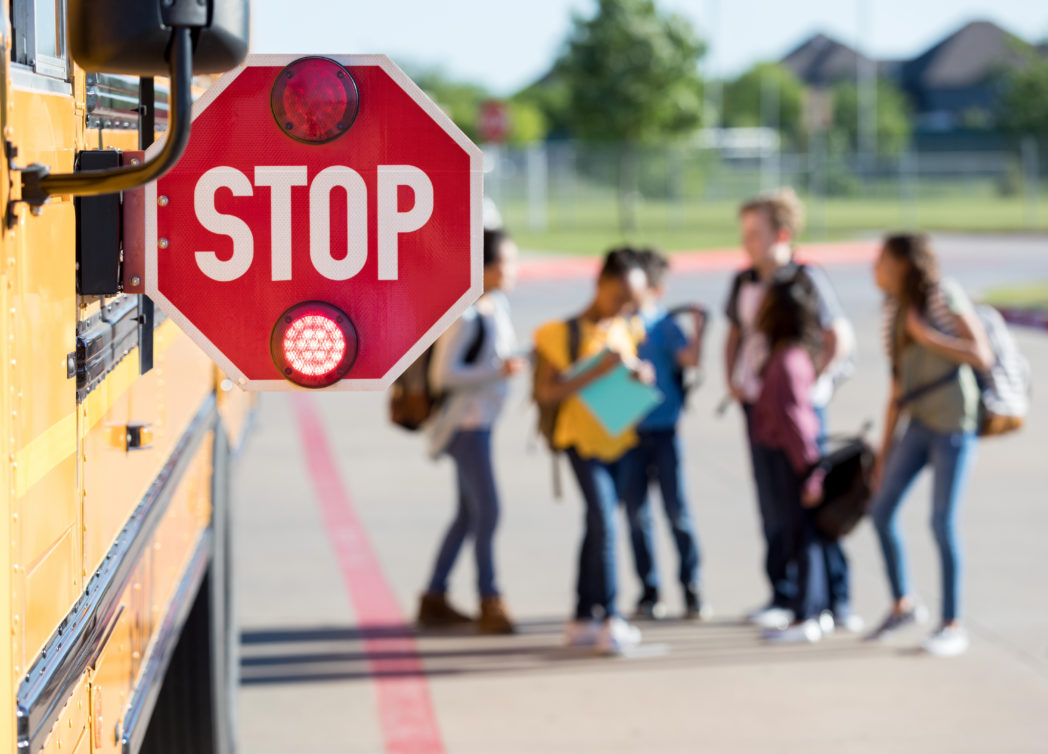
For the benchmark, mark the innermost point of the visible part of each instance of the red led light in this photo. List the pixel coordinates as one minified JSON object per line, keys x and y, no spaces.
{"x":314,"y":100}
{"x":313,"y":344}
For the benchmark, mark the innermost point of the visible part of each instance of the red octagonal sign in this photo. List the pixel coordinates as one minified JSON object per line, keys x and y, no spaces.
{"x":323,"y":226}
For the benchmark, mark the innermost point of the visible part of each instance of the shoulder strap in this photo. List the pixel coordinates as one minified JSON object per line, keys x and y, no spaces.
{"x":473,"y":352}
{"x":574,"y":338}
{"x":935,"y":384}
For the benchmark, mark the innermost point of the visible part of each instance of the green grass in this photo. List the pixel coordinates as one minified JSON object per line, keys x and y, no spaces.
{"x":1030,"y":296}
{"x":591,"y":225}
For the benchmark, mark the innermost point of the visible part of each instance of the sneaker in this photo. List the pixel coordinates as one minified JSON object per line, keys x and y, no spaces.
{"x":493,"y":617}
{"x":848,"y":622}
{"x":649,"y":609}
{"x":805,"y":632}
{"x":895,"y":621}
{"x":616,"y":636}
{"x":948,"y":641}
{"x":581,"y":633}
{"x":693,"y":607}
{"x":434,"y":611}
{"x":771,"y":617}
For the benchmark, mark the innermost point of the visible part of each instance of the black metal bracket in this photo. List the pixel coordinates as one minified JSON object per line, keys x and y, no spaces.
{"x":38,"y":183}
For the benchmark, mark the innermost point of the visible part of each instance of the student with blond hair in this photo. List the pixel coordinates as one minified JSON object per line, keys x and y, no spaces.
{"x":770,"y":224}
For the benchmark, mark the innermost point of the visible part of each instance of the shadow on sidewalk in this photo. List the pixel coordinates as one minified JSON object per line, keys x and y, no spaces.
{"x":347,"y":654}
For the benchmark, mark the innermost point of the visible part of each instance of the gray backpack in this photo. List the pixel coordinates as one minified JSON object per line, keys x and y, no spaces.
{"x":1006,"y":386}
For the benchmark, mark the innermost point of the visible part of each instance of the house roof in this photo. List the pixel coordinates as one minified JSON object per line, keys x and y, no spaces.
{"x":965,"y":58}
{"x":822,"y":60}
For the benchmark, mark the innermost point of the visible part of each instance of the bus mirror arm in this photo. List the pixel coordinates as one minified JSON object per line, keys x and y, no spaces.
{"x":38,"y":183}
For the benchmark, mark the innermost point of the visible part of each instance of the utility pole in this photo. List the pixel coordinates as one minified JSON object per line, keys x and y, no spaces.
{"x":866,"y":84}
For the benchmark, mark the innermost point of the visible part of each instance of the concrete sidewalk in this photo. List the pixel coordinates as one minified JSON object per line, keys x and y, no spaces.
{"x":314,"y":677}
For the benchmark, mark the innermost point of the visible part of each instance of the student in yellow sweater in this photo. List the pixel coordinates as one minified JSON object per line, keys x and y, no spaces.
{"x":604,"y":327}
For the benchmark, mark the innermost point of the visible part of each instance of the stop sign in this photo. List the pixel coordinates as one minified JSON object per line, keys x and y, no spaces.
{"x":323,"y":226}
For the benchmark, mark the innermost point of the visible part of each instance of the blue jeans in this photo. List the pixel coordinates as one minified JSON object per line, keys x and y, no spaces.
{"x":478,"y":512}
{"x":657,"y":454}
{"x":838,"y":572}
{"x":781,"y":575}
{"x":597,"y":585}
{"x":950,"y":456}
{"x":799,"y":543}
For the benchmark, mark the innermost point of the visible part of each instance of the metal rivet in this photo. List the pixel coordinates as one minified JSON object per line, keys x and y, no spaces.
{"x":136,"y":281}
{"x":162,"y":201}
{"x":340,"y":126}
{"x":289,"y":125}
{"x":135,"y":161}
{"x":162,"y":243}
{"x":287,"y":370}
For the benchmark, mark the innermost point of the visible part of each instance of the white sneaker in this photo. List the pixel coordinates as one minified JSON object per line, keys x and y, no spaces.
{"x":805,"y":632}
{"x":849,"y":623}
{"x":948,"y":641}
{"x":581,"y":633}
{"x":616,"y":636}
{"x":771,"y":617}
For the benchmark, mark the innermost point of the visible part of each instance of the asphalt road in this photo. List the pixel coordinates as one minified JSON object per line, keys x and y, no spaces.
{"x":339,"y":515}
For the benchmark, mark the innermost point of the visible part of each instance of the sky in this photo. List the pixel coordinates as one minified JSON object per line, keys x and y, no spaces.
{"x":505,"y":45}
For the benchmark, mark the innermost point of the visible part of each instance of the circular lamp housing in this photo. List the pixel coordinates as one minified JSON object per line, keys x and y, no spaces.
{"x":314,"y":100}
{"x":313,"y":344}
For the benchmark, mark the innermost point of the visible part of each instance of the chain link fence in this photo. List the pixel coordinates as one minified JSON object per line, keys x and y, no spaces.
{"x":549,"y":191}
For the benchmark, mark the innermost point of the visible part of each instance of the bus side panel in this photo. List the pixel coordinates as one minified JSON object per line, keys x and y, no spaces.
{"x":145,"y":602}
{"x":41,"y":308}
{"x":165,"y":399}
{"x":72,"y":731}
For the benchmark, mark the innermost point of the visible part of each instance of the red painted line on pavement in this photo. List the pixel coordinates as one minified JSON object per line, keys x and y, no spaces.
{"x":406,"y":715}
{"x":1034,"y":318}
{"x":562,"y":268}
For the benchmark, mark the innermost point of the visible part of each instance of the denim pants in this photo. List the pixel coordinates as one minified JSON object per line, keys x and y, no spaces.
{"x":478,"y":512}
{"x":838,"y":572}
{"x":657,"y":454}
{"x":950,"y":456}
{"x":597,"y":586}
{"x":781,"y":575}
{"x":797,"y":538}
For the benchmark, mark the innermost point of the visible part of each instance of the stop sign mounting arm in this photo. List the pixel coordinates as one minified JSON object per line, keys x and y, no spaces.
{"x":38,"y":183}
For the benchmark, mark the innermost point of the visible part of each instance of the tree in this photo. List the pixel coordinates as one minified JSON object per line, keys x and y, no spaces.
{"x":632,"y":76}
{"x":893,"y":117}
{"x":1023,"y":108}
{"x":751,"y":97}
{"x":461,"y":101}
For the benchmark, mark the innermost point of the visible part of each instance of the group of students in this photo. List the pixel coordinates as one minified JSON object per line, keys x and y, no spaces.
{"x":788,"y":345}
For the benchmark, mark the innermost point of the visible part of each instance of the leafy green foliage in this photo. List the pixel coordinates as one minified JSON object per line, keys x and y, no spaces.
{"x":1024,"y":98}
{"x":765,"y":83}
{"x":632,"y":73}
{"x":893,"y":118}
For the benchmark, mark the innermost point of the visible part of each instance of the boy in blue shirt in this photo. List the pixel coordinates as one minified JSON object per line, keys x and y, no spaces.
{"x":657,"y":453}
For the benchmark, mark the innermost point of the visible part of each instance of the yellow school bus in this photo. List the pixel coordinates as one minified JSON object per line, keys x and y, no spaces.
{"x":116,"y":436}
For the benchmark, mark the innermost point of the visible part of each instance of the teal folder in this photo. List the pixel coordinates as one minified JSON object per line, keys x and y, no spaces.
{"x":617,"y":400}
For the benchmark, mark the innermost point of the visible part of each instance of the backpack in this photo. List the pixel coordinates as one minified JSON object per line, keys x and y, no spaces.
{"x":547,"y":421}
{"x":412,"y":398}
{"x":548,"y":415}
{"x":687,"y":380}
{"x":1006,"y":386}
{"x":1004,"y":389}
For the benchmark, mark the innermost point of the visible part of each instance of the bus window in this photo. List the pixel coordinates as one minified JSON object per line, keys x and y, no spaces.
{"x":39,"y":34}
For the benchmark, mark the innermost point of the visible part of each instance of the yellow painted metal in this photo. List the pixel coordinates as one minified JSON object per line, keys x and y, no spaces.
{"x":71,"y":729}
{"x":66,"y":488}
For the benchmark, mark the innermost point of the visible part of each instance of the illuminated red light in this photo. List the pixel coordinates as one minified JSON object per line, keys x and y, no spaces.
{"x":314,"y":100}
{"x":313,"y":344}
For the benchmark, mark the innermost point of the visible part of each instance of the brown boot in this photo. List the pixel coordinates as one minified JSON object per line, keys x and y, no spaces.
{"x":434,"y":611}
{"x":493,"y":617}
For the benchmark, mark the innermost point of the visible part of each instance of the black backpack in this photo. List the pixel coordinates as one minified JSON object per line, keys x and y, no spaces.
{"x":412,"y":399}
{"x":687,"y":380}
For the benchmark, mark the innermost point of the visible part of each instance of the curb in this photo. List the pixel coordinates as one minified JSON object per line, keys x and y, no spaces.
{"x":539,"y":268}
{"x":1035,"y":318}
